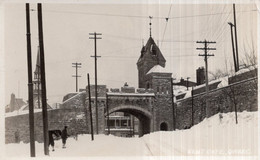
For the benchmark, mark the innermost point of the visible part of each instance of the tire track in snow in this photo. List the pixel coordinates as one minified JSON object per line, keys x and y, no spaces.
{"x":147,"y":147}
{"x":178,"y":151}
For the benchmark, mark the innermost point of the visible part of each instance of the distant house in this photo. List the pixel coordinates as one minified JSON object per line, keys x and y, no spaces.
{"x":15,"y":104}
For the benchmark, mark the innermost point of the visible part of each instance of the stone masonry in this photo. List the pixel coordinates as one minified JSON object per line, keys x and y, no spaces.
{"x":221,"y":100}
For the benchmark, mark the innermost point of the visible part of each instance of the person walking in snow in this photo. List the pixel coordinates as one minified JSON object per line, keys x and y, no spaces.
{"x":51,"y":139}
{"x":64,"y":136}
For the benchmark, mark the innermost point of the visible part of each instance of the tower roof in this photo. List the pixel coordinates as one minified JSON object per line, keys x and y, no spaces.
{"x":152,"y":50}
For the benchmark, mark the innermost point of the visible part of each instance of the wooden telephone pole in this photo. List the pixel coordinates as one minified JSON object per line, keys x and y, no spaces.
{"x":206,"y":55}
{"x":233,"y":49}
{"x":76,"y":65}
{"x":235,"y":25}
{"x":90,"y":110}
{"x":173,"y":108}
{"x":95,"y":56}
{"x":30,"y":84}
{"x":43,"y":82}
{"x":108,"y":127}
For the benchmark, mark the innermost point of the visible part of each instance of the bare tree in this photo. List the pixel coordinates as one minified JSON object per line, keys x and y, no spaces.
{"x":218,"y":74}
{"x":248,"y":70}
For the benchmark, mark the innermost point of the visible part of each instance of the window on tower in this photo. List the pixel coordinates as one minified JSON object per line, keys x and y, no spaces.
{"x":147,"y":85}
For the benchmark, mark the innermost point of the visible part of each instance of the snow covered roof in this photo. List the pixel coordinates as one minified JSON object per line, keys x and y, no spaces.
{"x":157,"y":69}
{"x":246,"y":69}
{"x":75,"y":95}
{"x":130,"y":94}
{"x":21,"y":112}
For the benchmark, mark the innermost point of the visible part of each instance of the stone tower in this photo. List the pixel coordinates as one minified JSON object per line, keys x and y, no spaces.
{"x":153,"y":75}
{"x":150,"y":57}
{"x":37,"y":83}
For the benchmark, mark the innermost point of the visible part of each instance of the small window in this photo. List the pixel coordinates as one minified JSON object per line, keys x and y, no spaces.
{"x":147,"y":85}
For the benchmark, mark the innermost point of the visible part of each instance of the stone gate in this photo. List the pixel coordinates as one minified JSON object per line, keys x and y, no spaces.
{"x":136,"y":104}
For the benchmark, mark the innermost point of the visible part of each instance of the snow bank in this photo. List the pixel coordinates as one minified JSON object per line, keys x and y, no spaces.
{"x":214,"y":136}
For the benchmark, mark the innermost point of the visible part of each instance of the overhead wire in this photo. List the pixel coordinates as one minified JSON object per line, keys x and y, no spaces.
{"x":167,"y":19}
{"x":219,"y":20}
{"x":139,"y":16}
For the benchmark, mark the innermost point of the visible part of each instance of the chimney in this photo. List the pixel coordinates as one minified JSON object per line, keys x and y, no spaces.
{"x":200,"y":75}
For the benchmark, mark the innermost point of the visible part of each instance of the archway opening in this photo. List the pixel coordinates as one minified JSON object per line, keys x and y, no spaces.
{"x":121,"y":124}
{"x":163,"y":127}
{"x":140,"y":123}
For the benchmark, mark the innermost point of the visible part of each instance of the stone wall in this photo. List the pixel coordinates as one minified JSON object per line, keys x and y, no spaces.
{"x":249,"y":73}
{"x":242,"y":94}
{"x":75,"y":112}
{"x":57,"y":119}
{"x":71,"y":113}
{"x":101,"y":103}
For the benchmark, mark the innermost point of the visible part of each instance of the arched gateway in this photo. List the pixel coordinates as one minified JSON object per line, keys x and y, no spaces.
{"x":136,"y":104}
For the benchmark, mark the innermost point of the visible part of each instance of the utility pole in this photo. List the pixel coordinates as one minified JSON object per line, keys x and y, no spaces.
{"x":108,"y":127}
{"x":187,"y":84}
{"x":38,"y":78}
{"x":235,"y":25}
{"x":192,"y":108}
{"x":206,"y":55}
{"x":95,"y":56}
{"x":38,"y":84}
{"x":43,"y":82}
{"x":30,"y":84}
{"x":173,"y":108}
{"x":90,"y":110}
{"x":76,"y":65}
{"x":233,"y":49}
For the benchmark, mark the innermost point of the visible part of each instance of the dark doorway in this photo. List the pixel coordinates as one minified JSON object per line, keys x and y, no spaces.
{"x":163,"y":127}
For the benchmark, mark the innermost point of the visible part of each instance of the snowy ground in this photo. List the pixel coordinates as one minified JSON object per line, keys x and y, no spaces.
{"x":211,"y":137}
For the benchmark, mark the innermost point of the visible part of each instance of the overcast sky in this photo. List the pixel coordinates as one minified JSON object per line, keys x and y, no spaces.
{"x":66,"y":29}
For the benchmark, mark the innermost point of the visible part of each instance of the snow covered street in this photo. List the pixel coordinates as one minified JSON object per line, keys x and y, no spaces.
{"x":213,"y":136}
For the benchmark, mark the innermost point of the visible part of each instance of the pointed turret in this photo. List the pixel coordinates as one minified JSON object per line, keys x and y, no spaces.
{"x":37,"y":71}
{"x":150,"y":57}
{"x":37,"y":83}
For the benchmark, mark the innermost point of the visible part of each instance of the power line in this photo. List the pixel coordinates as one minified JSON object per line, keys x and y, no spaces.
{"x":166,"y":24}
{"x":218,"y":20}
{"x":212,"y":14}
{"x":139,"y":16}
